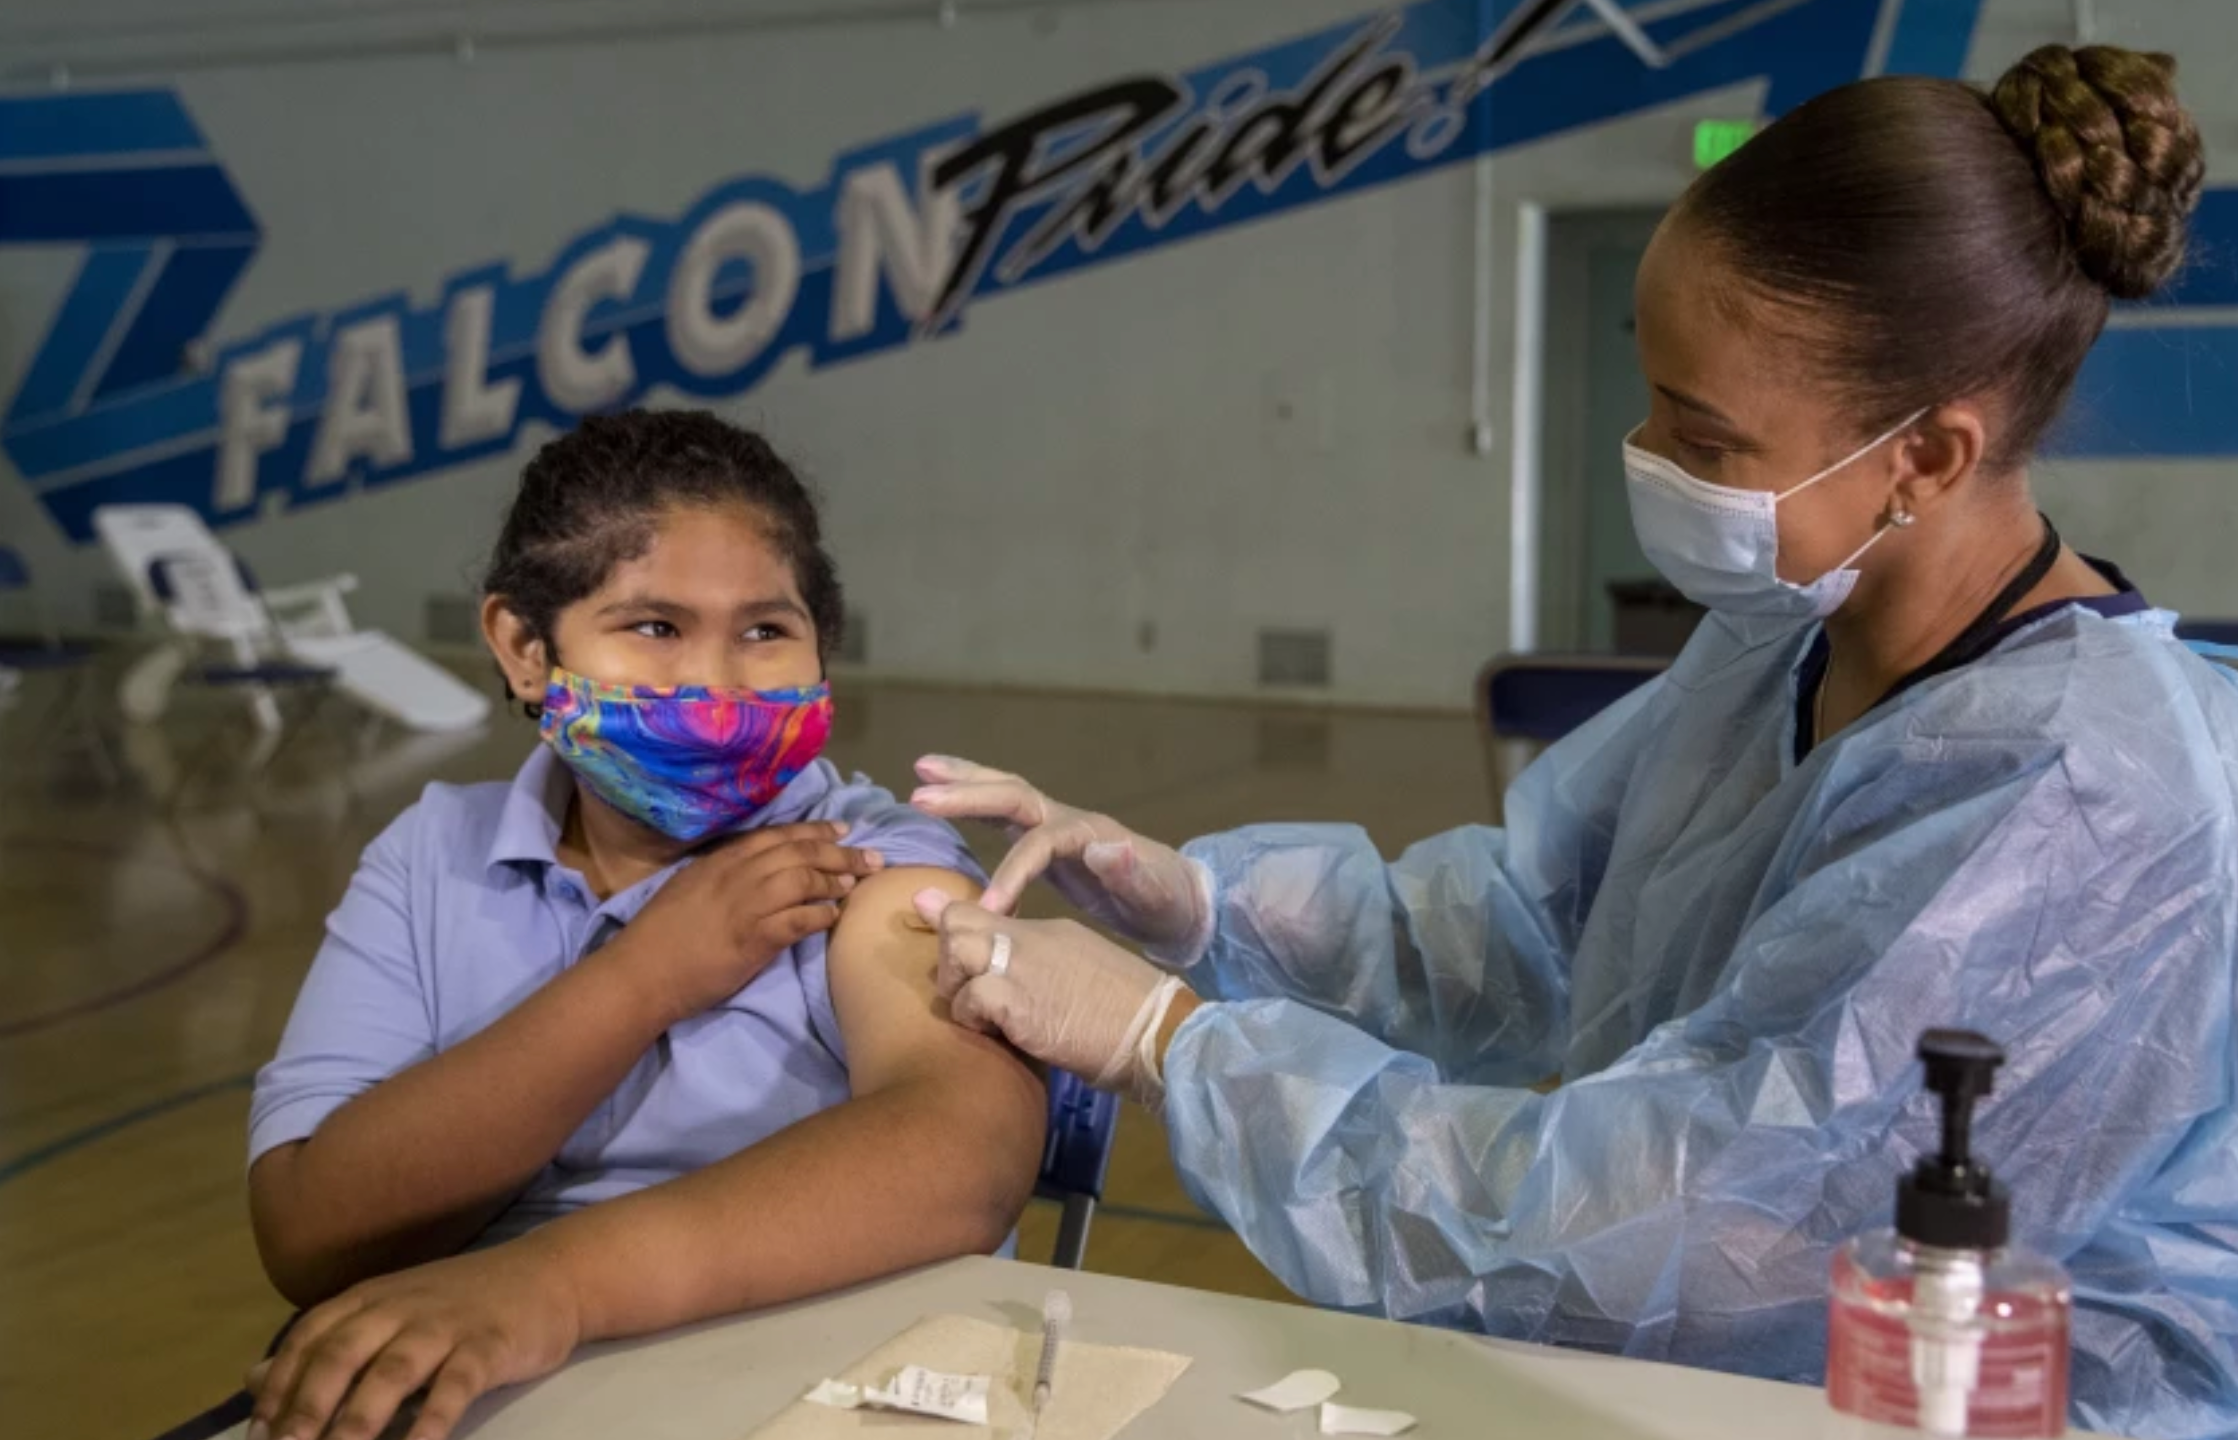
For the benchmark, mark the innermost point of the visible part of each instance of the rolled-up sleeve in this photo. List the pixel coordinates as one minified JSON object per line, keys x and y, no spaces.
{"x":901,"y":835}
{"x":363,"y":1014}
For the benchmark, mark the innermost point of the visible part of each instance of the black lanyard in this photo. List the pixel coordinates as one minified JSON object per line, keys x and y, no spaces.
{"x":1978,"y":638}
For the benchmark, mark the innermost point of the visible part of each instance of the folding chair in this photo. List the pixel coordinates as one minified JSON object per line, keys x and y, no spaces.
{"x":1535,"y":700}
{"x":1082,"y":1125}
{"x":71,"y":715}
{"x":313,"y":624}
{"x":213,"y":600}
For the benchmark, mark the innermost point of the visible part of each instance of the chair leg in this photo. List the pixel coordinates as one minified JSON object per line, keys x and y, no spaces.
{"x":369,"y":732}
{"x":298,"y":716}
{"x":191,"y":768}
{"x":1071,"y":1252}
{"x":144,"y":692}
{"x":105,"y":760}
{"x":270,"y":739}
{"x":347,"y":743}
{"x":294,"y":716}
{"x":271,"y":728}
{"x":69,"y":713}
{"x":50,"y":719}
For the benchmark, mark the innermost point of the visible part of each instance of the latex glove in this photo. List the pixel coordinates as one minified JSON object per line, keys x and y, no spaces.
{"x":1065,"y":995}
{"x":1146,"y":891}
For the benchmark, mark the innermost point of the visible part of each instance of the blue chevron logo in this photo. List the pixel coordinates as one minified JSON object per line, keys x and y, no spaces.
{"x":129,"y":399}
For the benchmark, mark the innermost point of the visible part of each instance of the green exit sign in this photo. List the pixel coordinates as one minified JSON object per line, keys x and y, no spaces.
{"x":1716,"y":139}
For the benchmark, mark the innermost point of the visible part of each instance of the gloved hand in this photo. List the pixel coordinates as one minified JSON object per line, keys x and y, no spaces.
{"x":1146,"y":891}
{"x":1057,"y":991}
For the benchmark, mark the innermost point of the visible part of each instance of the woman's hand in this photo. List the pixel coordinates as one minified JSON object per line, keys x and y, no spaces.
{"x":722,"y":920}
{"x":1144,"y":890}
{"x":1059,"y":992}
{"x":456,"y":1328}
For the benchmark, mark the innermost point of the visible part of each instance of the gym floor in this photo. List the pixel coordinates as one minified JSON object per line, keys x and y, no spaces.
{"x":149,"y":955}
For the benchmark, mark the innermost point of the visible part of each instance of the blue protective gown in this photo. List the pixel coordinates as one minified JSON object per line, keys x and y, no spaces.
{"x":1729,"y":957}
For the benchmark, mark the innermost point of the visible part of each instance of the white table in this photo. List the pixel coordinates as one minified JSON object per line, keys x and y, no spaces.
{"x":720,"y":1380}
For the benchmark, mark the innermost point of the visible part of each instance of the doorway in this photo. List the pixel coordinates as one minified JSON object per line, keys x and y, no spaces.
{"x":1594,"y":396}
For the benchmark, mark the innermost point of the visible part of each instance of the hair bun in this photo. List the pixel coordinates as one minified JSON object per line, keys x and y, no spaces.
{"x":2117,"y":153}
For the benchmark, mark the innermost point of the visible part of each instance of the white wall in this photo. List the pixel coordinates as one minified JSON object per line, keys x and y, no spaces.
{"x":1266,"y":427}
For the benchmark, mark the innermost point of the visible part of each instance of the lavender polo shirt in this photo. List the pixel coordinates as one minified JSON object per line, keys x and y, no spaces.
{"x":461,"y":909}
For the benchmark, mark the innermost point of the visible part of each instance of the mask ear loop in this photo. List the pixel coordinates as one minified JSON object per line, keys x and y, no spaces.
{"x":1840,"y":465}
{"x":1897,"y":519}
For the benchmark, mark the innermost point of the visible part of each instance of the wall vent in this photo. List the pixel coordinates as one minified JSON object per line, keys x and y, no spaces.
{"x":1294,"y":658}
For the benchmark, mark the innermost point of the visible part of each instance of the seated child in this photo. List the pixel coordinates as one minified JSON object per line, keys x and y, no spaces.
{"x":646,"y":1034}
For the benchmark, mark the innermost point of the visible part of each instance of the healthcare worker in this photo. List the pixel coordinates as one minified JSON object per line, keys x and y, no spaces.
{"x":1922,"y":765}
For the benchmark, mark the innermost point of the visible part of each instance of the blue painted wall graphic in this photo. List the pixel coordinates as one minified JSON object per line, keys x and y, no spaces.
{"x":2168,"y":390}
{"x":130,"y":400}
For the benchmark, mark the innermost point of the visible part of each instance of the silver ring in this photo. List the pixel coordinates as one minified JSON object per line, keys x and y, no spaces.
{"x":998,"y":963}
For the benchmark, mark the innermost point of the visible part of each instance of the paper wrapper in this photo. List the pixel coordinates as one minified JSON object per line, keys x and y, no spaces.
{"x":1098,"y":1389}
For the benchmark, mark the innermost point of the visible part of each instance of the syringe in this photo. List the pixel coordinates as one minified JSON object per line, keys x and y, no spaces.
{"x":1056,"y":1314}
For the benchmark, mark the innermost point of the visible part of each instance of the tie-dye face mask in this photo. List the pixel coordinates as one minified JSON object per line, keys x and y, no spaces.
{"x":688,"y":760}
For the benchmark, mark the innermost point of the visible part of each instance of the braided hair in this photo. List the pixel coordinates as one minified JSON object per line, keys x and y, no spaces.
{"x":1918,"y":240}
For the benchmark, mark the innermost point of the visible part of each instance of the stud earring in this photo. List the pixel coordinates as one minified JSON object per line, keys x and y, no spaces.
{"x":1902,"y":519}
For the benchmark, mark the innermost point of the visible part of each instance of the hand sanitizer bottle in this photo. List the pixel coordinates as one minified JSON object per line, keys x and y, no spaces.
{"x":1940,"y":1324}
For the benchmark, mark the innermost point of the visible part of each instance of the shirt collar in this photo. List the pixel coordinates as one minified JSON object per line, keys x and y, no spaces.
{"x":528,"y":827}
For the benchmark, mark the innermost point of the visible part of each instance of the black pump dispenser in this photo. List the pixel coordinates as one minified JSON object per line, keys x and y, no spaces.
{"x":1949,"y":1201}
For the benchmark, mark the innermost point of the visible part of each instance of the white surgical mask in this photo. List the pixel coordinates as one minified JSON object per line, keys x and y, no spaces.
{"x":1720,"y":546}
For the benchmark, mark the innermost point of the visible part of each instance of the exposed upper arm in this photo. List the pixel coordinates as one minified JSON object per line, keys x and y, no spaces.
{"x":976,"y":1098}
{"x":976,"y":1107}
{"x":894,"y":1022}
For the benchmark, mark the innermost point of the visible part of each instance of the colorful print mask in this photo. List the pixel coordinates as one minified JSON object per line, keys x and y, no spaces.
{"x":691,"y":761}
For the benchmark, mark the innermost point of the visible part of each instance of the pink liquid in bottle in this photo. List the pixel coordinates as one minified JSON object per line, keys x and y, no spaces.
{"x":2020,"y":1385}
{"x":1942,"y":1324}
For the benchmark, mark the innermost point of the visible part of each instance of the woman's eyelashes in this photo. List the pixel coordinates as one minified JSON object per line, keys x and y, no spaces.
{"x":1706,"y":451}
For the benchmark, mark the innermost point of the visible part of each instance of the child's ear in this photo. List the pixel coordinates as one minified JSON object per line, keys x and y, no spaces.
{"x":520,"y":653}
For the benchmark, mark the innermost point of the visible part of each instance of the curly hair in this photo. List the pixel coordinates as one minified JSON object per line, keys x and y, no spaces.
{"x":591,"y":499}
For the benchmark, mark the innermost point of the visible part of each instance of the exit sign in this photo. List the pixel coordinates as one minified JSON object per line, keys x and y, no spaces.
{"x":1716,"y":139}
